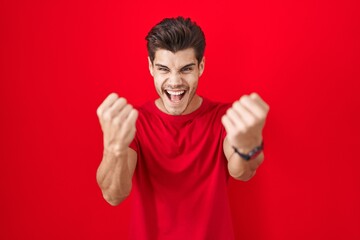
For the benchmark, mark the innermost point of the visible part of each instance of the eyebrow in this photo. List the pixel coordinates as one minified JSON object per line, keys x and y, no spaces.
{"x":160,"y":65}
{"x":186,"y":66}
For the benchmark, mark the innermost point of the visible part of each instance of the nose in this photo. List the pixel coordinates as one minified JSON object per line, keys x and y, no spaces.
{"x":175,"y":79}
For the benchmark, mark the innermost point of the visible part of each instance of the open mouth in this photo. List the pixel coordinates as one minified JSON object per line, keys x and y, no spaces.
{"x":175,"y":96}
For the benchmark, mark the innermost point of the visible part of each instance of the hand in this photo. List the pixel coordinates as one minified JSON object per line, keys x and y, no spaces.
{"x":244,"y":122}
{"x":117,"y":120}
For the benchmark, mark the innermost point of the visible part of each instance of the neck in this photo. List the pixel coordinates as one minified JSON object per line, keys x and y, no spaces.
{"x":194,"y":104}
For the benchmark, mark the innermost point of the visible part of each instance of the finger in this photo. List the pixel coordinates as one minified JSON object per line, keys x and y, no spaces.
{"x":253,"y":106}
{"x":129,"y":123}
{"x":132,"y":117}
{"x":236,"y":120}
{"x":229,"y":126}
{"x":260,"y":101}
{"x":233,"y":116}
{"x":122,"y":115}
{"x":117,"y":107}
{"x":109,"y":100}
{"x":245,"y":114}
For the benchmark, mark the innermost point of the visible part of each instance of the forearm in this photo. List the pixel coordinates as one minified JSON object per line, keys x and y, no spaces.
{"x":114,"y":177}
{"x":241,"y":169}
{"x":244,"y":122}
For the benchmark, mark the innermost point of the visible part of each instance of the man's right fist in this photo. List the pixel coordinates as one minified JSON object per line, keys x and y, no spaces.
{"x":117,"y":119}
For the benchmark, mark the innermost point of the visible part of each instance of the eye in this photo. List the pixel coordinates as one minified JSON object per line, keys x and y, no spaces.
{"x":186,"y":70}
{"x":161,"y":69}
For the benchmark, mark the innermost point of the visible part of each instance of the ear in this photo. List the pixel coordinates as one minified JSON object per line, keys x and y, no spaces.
{"x":201,"y":66}
{"x":151,"y":68}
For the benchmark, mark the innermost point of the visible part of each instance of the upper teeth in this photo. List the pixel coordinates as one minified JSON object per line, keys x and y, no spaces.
{"x":175,"y":93}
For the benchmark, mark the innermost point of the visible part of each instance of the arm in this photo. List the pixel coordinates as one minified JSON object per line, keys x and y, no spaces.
{"x":238,"y":167}
{"x":114,"y":175}
{"x":244,"y":123}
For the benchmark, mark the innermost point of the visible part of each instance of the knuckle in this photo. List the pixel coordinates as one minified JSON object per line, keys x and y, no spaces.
{"x":262,"y":116}
{"x":228,"y":111}
{"x":242,"y":130}
{"x":244,"y":96}
{"x":116,"y":121}
{"x":254,"y":95}
{"x":122,"y":100}
{"x":243,"y":99}
{"x":124,"y":112}
{"x":252,"y":122}
{"x":99,"y":111}
{"x":113,"y":94}
{"x":125,"y":126}
{"x":136,"y":113}
{"x":238,"y":129}
{"x":127,"y":109}
{"x":236,"y":104}
{"x":267,"y":107}
{"x":107,"y":116}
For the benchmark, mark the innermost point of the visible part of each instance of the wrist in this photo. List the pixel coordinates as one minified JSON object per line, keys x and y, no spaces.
{"x":249,"y":153}
{"x":115,"y":151}
{"x":249,"y":145}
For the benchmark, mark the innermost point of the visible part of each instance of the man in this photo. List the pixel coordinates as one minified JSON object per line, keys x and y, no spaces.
{"x":176,"y":153}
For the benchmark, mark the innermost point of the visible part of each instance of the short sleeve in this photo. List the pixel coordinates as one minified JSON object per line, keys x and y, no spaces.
{"x":222,"y":112}
{"x":135,"y":143}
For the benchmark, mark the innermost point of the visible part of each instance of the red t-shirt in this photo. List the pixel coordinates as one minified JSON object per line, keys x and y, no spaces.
{"x":180,"y":181}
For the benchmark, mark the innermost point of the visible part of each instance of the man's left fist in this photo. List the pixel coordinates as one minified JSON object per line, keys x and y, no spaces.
{"x":244,"y":122}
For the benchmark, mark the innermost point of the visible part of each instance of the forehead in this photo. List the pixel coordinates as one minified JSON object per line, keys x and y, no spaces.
{"x":177,"y":59}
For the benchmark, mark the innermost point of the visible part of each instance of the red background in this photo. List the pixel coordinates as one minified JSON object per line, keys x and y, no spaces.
{"x":60,"y":59}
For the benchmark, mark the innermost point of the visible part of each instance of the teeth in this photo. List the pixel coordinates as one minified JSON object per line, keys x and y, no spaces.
{"x":175,"y":93}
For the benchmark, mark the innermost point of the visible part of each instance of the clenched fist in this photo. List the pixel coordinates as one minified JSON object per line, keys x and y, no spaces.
{"x":117,"y":119}
{"x":244,"y":122}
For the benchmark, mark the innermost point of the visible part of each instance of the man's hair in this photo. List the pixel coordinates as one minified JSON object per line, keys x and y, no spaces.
{"x":175,"y":34}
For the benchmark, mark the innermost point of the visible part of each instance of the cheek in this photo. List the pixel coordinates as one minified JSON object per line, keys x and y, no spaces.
{"x":193,"y":81}
{"x":158,"y":83}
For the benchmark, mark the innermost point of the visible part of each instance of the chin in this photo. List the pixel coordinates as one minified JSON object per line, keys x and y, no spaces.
{"x":175,"y":110}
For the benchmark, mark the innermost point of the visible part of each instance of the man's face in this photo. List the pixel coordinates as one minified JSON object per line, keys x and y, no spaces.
{"x":176,"y":77}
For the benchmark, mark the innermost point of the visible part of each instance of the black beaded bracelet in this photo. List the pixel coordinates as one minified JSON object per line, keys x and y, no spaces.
{"x":252,"y":154}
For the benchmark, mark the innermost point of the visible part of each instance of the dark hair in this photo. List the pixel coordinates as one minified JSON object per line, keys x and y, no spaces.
{"x":175,"y":34}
